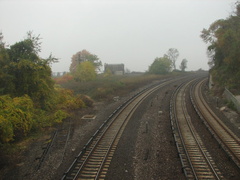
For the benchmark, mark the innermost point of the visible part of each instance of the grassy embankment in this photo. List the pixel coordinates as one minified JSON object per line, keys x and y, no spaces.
{"x":105,"y":88}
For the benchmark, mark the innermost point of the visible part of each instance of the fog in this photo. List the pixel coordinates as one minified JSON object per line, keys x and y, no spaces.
{"x":133,"y":32}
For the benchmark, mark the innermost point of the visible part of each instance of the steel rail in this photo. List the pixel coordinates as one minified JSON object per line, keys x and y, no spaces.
{"x":136,"y":101}
{"x":60,"y":135}
{"x":227,"y":139}
{"x":141,"y":97}
{"x":195,"y":151}
{"x":103,"y":136}
{"x":182,"y":149}
{"x":120,"y":131}
{"x":132,"y":103}
{"x":202,"y":149}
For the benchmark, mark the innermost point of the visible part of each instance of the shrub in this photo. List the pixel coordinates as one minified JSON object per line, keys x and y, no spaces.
{"x":87,"y":100}
{"x":16,"y":117}
{"x":67,"y":100}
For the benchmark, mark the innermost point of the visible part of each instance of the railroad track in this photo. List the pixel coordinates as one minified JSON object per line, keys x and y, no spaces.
{"x":226,"y":138}
{"x":59,"y":141}
{"x":196,"y":161}
{"x":94,"y":160}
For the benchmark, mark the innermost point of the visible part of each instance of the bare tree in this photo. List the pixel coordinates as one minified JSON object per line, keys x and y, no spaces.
{"x":183,"y":65}
{"x":173,"y":55}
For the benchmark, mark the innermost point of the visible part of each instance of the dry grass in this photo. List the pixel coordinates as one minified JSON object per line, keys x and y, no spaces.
{"x":104,"y":88}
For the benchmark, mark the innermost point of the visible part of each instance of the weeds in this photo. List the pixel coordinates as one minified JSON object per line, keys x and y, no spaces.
{"x":108,"y":87}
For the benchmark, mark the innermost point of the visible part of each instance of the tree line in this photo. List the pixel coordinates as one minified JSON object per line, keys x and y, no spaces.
{"x":223,"y":39}
{"x":84,"y":65}
{"x":167,"y":63}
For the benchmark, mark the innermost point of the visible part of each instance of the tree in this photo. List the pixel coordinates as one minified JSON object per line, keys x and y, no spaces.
{"x":24,"y":72}
{"x":85,"y":71}
{"x":2,"y":44}
{"x":5,"y":78}
{"x":173,"y":55}
{"x":183,"y":65}
{"x":83,"y":56}
{"x":28,"y":98}
{"x":160,"y":65}
{"x":223,"y":37}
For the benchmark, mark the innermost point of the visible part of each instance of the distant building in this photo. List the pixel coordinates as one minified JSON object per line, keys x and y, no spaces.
{"x":117,"y":69}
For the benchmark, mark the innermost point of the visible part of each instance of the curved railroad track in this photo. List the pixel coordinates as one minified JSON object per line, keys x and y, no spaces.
{"x":196,"y":161}
{"x":94,"y":160}
{"x":227,"y":139}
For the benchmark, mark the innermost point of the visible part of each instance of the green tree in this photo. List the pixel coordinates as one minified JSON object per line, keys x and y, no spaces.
{"x":173,"y":55}
{"x":183,"y":65}
{"x":83,"y":56}
{"x":223,"y":37}
{"x":5,"y":78}
{"x":23,"y":72}
{"x":85,"y":71}
{"x":160,"y":65}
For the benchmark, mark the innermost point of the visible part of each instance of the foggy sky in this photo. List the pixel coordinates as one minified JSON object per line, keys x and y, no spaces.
{"x":117,"y":31}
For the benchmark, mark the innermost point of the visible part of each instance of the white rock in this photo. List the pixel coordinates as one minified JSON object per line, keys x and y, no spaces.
{"x":223,"y":108}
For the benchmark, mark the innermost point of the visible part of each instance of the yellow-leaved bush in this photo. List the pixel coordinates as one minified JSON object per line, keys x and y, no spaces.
{"x":16,"y":118}
{"x":68,"y":101}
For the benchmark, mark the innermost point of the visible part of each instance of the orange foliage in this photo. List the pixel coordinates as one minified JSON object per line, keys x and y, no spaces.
{"x":63,"y":79}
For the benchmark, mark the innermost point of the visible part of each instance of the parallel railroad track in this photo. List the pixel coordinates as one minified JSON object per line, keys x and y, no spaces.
{"x":59,"y":141}
{"x":94,"y":160}
{"x":196,"y":161}
{"x":227,"y":139}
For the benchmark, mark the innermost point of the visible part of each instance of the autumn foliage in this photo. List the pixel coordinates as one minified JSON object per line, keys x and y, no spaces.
{"x":223,"y":38}
{"x":16,"y":117}
{"x":83,"y":56}
{"x":63,"y":79}
{"x":29,"y":98}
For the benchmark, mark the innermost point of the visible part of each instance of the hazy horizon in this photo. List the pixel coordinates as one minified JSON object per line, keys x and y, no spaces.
{"x":128,"y":31}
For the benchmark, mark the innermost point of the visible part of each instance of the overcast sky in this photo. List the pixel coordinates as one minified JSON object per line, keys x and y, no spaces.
{"x":133,"y":32}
